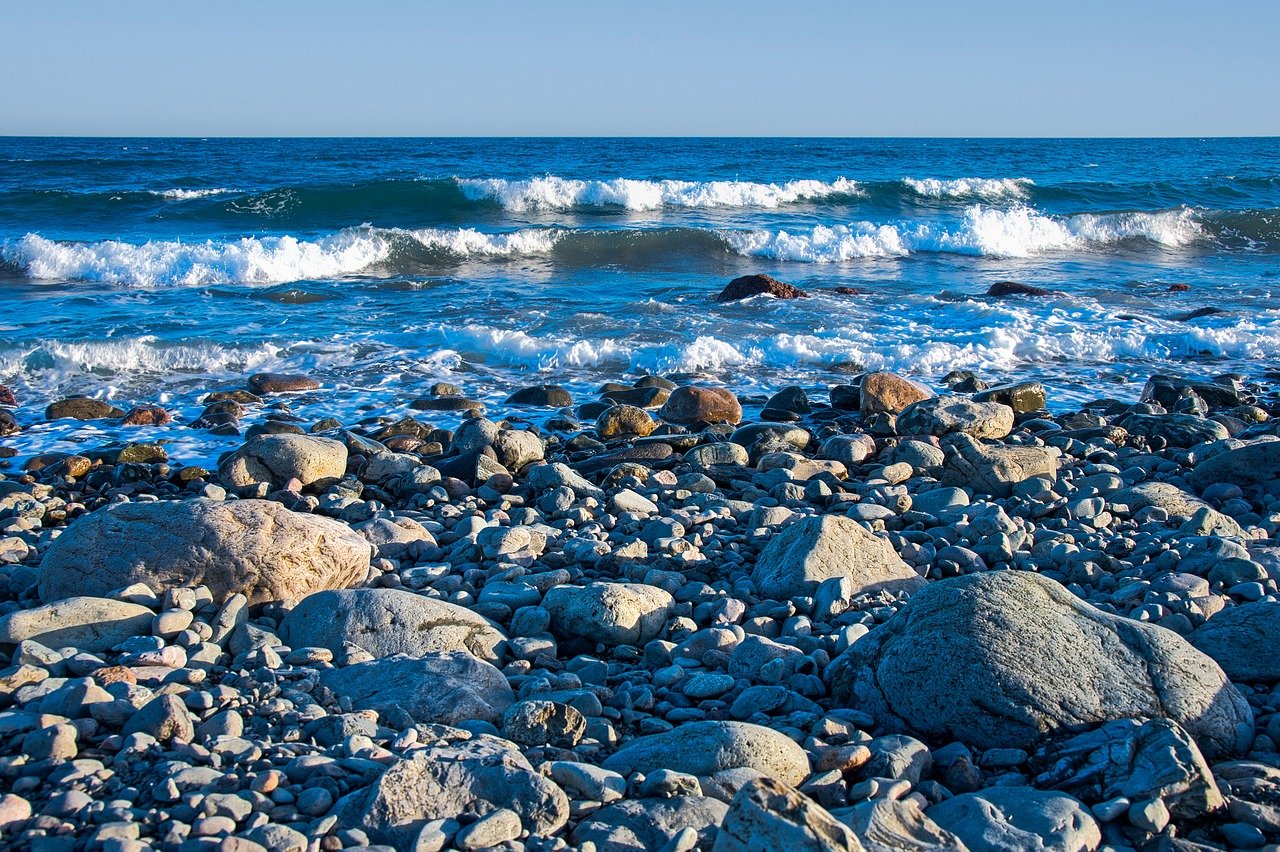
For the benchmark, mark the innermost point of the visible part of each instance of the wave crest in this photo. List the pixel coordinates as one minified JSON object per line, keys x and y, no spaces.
{"x":557,"y":193}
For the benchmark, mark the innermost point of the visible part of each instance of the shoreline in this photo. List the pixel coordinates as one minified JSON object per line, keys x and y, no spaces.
{"x":875,"y":615}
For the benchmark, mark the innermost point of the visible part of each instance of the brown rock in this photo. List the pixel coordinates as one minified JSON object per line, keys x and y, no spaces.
{"x":147,"y":415}
{"x":8,"y":424}
{"x":264,"y":383}
{"x":701,"y":405}
{"x":885,"y":392}
{"x":756,"y":285}
{"x":81,"y":408}
{"x":1179,"y":288}
{"x":1001,"y":289}
{"x":624,"y":420}
{"x":7,"y":397}
{"x":114,"y":674}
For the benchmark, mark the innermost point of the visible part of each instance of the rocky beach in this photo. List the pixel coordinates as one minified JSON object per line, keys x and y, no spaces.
{"x":876,"y":615}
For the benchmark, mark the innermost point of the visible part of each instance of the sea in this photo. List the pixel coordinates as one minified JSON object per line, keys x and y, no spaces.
{"x":156,"y":270}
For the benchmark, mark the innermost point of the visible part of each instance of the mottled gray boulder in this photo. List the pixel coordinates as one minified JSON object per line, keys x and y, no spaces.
{"x":1243,"y":640}
{"x":946,"y":415}
{"x":897,"y":825}
{"x":768,"y":815}
{"x":995,"y":469}
{"x":1177,"y":430}
{"x":517,"y":448}
{"x":396,"y":538}
{"x":255,"y":547}
{"x":1178,"y":503}
{"x":608,"y":613}
{"x":638,"y":825}
{"x":1252,"y":463}
{"x":275,"y":459}
{"x":446,"y":688}
{"x":447,"y":781}
{"x":89,"y":624}
{"x":1140,"y":760}
{"x":705,"y":748}
{"x":1002,"y":659}
{"x":1018,"y":819}
{"x":386,"y":622}
{"x":82,"y":408}
{"x":809,"y":551}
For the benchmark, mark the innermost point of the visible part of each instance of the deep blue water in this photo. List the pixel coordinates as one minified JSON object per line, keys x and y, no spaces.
{"x":147,"y":269}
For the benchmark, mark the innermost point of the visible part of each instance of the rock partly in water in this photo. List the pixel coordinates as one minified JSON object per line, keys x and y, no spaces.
{"x":255,"y":547}
{"x":746,"y":286}
{"x":1000,"y":289}
{"x":82,"y":408}
{"x":267,"y":383}
{"x":1002,"y":659}
{"x":812,"y":550}
{"x":543,"y":396}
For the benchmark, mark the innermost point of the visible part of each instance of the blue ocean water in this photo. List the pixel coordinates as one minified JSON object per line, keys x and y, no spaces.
{"x":154,"y":269}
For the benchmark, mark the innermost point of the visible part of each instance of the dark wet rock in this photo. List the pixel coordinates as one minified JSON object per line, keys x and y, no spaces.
{"x":262,"y":384}
{"x":1003,"y":659}
{"x":447,"y":403}
{"x":1022,"y":397}
{"x":7,"y":397}
{"x":1165,"y":390}
{"x":1000,"y":289}
{"x":147,"y":415}
{"x":646,"y":397}
{"x":8,"y":424}
{"x":1177,"y":430}
{"x":695,"y":405}
{"x":747,"y":286}
{"x":544,"y":396}
{"x":82,"y":408}
{"x":845,"y":397}
{"x":1199,"y":313}
{"x":619,"y":420}
{"x":791,"y":399}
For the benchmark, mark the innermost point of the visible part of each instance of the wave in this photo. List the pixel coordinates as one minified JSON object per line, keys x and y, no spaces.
{"x":989,"y":189}
{"x":129,"y":357}
{"x":557,"y":193}
{"x":984,"y":231}
{"x":188,"y":194}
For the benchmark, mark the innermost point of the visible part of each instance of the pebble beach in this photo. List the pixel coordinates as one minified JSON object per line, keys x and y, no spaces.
{"x":882,"y":614}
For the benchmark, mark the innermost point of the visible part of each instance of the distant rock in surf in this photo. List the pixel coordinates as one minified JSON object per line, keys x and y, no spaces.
{"x":1000,"y":289}
{"x":747,"y":286}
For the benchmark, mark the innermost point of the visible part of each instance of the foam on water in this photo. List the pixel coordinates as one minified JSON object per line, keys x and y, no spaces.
{"x":186,"y":194}
{"x":557,"y":193}
{"x":990,"y":189}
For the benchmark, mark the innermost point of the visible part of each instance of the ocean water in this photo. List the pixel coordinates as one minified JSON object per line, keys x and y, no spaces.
{"x":153,"y":270}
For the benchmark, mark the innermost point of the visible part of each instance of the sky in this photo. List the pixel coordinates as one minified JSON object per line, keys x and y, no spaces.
{"x":641,"y":68}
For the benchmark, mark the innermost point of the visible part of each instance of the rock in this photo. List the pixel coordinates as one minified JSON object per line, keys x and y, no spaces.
{"x":995,"y":469}
{"x":1242,"y":640}
{"x":261,"y":384}
{"x":447,"y":403}
{"x":544,"y":396}
{"x":147,"y":415}
{"x":1138,"y":760}
{"x":1165,"y":391}
{"x":693,"y":405}
{"x":396,"y":538}
{"x":82,"y":408}
{"x":707,"y":747}
{"x":790,"y":399}
{"x":277,"y":838}
{"x":254,"y":547}
{"x":1000,"y":289}
{"x":1022,"y":397}
{"x":1018,"y":819}
{"x":1253,"y":463}
{"x":624,"y":420}
{"x":448,"y":781}
{"x":897,"y":825}
{"x":276,"y":459}
{"x":163,"y":717}
{"x":946,"y":415}
{"x":647,"y":824}
{"x":8,"y":424}
{"x":535,"y":722}
{"x":1178,"y":430}
{"x":1178,"y":503}
{"x":13,"y":810}
{"x":768,"y":815}
{"x":89,"y":624}
{"x":608,"y":613}
{"x":444,"y":688}
{"x":1002,"y":659}
{"x":386,"y":622}
{"x":647,"y":397}
{"x":811,"y":550}
{"x":492,"y":829}
{"x":517,"y":448}
{"x":706,"y":456}
{"x":746,"y":286}
{"x":885,"y":392}
{"x":849,"y":450}
{"x":7,"y":397}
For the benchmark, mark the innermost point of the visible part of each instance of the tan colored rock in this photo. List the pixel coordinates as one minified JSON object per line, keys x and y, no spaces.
{"x":885,"y":392}
{"x":689,"y":405}
{"x":275,"y":459}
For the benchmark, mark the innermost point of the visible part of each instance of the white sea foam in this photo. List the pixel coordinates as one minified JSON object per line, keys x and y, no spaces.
{"x":55,"y":360}
{"x":185,"y":194}
{"x":255,"y":260}
{"x":993,"y":232}
{"x":557,"y":193}
{"x":989,"y":189}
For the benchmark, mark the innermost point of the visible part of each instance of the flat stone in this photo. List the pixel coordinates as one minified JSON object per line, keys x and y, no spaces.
{"x":87,"y":623}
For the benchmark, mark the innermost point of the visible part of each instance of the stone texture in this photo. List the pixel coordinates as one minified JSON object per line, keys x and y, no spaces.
{"x":89,"y":624}
{"x":1250,"y":464}
{"x":276,"y":459}
{"x":994,"y":470}
{"x":705,"y":748}
{"x":608,"y":613}
{"x":82,"y":408}
{"x":809,"y":551}
{"x":897,"y":825}
{"x":265,"y":383}
{"x":886,"y":392}
{"x":1242,"y":639}
{"x":639,"y":825}
{"x":746,"y":286}
{"x":766,"y":814}
{"x":947,"y":415}
{"x":386,"y":622}
{"x":254,"y":547}
{"x":1018,"y":819}
{"x":692,"y":405}
{"x":444,"y":688}
{"x":1001,"y":659}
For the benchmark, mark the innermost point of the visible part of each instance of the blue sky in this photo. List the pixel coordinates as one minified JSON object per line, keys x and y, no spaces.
{"x":277,"y":67}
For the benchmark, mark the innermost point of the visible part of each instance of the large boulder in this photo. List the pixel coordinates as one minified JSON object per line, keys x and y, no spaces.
{"x":276,"y":459}
{"x":705,"y":748}
{"x":995,"y":469}
{"x":1177,"y":430}
{"x":447,"y":781}
{"x":267,"y":383}
{"x":638,"y":825}
{"x":1250,"y":464}
{"x":254,"y":547}
{"x":690,"y":405}
{"x":897,"y":825}
{"x":886,"y":392}
{"x":1178,"y":503}
{"x":445,"y":688}
{"x":1242,"y":640}
{"x":82,"y":408}
{"x":1002,"y":659}
{"x":765,"y":814}
{"x":608,"y":613}
{"x":947,"y":415}
{"x":1018,"y":819}
{"x":386,"y":622}
{"x":89,"y":624}
{"x":746,"y":286}
{"x":809,"y":551}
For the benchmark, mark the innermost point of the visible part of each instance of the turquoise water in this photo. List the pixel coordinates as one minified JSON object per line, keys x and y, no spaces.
{"x":145,"y":269}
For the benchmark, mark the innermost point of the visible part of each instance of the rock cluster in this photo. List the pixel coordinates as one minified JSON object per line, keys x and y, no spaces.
{"x":866,"y":618}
